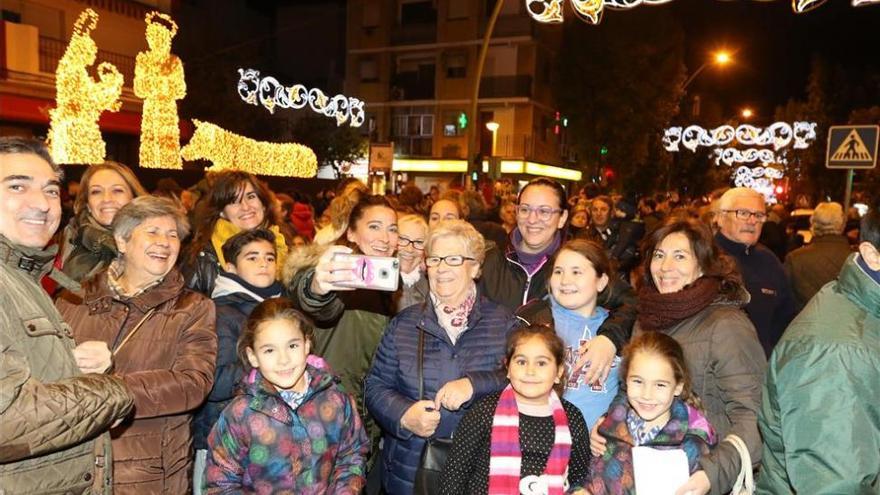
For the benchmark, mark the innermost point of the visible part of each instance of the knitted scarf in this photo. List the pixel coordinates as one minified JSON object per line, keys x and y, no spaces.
{"x":661,"y":311}
{"x":505,"y":455}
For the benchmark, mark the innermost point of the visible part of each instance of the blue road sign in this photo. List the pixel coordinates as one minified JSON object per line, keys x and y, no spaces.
{"x":852,"y":146}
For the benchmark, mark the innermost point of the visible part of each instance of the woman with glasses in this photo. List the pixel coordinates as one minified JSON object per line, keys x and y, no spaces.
{"x":520,"y":273}
{"x":412,"y":233}
{"x":463,"y":336}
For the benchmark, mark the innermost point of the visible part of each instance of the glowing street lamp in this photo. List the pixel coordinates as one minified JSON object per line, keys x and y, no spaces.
{"x":719,"y":58}
{"x":493,"y":128}
{"x":746,"y":113}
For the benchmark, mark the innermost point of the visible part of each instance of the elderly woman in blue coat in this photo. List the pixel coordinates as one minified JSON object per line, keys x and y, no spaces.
{"x":464,"y":335}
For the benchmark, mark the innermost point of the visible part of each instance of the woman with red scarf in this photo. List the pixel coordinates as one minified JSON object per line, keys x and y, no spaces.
{"x":693,"y":292}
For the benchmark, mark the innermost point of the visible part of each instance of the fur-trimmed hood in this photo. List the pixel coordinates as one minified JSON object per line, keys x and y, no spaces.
{"x":299,"y":260}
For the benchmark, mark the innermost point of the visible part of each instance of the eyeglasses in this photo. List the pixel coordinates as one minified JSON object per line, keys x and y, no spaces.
{"x":544,"y":212}
{"x":744,"y":215}
{"x":404,"y":242}
{"x":454,"y":260}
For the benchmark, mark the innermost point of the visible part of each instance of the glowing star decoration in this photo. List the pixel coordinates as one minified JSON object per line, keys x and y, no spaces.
{"x":158,"y":79}
{"x":270,"y":93}
{"x":227,"y":150}
{"x":546,"y":11}
{"x":801,"y":6}
{"x":590,"y":11}
{"x":74,"y":135}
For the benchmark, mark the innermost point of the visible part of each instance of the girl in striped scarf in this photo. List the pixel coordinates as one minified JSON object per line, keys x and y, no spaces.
{"x":524,"y":440}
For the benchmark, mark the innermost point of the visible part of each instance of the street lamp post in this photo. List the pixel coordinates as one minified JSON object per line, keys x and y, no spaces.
{"x":719,"y":58}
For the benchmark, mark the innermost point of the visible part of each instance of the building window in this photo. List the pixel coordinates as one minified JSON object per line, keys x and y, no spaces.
{"x":412,"y":130}
{"x":417,"y":12}
{"x":456,"y":65}
{"x":458,"y":9}
{"x":451,"y":124}
{"x":369,"y":70}
{"x":372,"y":14}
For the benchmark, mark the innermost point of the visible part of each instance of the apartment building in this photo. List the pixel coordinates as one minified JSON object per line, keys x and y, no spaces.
{"x":414,"y":61}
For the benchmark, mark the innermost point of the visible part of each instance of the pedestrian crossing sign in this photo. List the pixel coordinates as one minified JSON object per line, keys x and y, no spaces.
{"x":852,"y":146}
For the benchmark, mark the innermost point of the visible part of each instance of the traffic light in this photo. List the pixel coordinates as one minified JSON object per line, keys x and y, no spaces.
{"x":603,"y":150}
{"x":462,"y":120}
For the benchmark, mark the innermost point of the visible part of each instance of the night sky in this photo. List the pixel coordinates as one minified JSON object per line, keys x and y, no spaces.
{"x":773,"y":45}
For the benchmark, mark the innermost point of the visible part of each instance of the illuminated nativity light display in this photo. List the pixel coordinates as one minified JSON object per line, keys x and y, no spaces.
{"x":158,"y":79}
{"x":590,"y":11}
{"x":74,"y":134}
{"x":227,"y":150}
{"x":267,"y":91}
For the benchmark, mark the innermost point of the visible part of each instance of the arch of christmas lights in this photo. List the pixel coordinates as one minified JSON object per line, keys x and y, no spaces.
{"x":267,"y":91}
{"x":590,"y":11}
{"x":779,"y":135}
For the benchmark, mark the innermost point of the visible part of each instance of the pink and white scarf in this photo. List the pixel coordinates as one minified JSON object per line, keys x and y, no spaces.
{"x":506,"y":457}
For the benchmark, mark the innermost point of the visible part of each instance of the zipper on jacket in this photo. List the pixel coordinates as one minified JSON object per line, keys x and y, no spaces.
{"x":525,"y":296}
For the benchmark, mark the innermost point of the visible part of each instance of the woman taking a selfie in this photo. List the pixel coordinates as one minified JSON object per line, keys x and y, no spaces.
{"x":350,"y":321}
{"x":463,"y":337}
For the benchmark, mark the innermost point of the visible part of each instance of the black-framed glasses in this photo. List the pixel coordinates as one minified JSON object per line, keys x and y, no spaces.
{"x":745,"y":215}
{"x":405,"y":241}
{"x":453,"y":260}
{"x":545,"y":213}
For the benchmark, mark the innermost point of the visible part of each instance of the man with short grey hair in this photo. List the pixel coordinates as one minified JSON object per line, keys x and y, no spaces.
{"x":56,"y":403}
{"x":741,"y":215}
{"x":810,"y":267}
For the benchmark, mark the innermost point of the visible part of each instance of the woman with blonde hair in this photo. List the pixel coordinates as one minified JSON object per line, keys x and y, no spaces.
{"x":87,"y":243}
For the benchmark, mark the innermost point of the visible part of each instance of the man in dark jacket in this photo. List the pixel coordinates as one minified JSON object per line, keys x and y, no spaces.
{"x":741,"y":216}
{"x":56,"y":405}
{"x":810,"y":267}
{"x":249,"y":279}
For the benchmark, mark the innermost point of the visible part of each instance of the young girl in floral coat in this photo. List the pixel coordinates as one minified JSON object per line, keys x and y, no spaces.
{"x":656,"y":409}
{"x":293,"y":430}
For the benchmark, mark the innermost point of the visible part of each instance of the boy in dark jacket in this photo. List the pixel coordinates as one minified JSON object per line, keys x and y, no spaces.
{"x":248,"y":280}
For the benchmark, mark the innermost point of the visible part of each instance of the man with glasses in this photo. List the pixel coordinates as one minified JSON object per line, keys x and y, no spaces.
{"x":741,"y":216}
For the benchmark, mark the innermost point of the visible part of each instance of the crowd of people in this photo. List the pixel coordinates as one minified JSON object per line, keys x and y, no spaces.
{"x":223,"y":339}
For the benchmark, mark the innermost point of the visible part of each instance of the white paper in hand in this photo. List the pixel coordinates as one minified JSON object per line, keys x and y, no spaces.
{"x":659,"y":472}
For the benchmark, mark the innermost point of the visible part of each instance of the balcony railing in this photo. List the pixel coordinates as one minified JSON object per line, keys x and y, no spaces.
{"x":414,"y":34}
{"x":506,"y":86}
{"x":51,"y":51}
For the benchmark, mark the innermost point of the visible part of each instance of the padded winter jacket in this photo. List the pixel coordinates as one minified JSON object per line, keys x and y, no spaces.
{"x":393,"y":383}
{"x":820,"y":415}
{"x":169,"y":366}
{"x":727,"y":367}
{"x":53,"y":419}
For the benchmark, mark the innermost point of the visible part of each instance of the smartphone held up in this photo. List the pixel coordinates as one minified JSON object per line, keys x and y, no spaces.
{"x":372,"y":272}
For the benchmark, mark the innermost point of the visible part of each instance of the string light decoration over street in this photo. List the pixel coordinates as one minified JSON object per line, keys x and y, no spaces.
{"x":74,"y":135}
{"x":590,"y":11}
{"x":227,"y":150}
{"x":269,"y":93}
{"x":158,"y":79}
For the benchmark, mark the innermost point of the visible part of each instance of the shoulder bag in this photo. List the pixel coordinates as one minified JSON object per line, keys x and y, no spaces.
{"x":436,"y":449}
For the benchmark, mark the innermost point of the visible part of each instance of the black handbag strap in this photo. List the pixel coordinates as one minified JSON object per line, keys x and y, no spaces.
{"x":421,"y":355}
